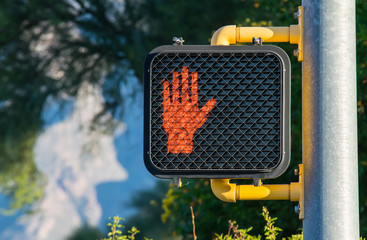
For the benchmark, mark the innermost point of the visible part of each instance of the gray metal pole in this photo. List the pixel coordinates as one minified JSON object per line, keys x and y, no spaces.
{"x":330,"y":121}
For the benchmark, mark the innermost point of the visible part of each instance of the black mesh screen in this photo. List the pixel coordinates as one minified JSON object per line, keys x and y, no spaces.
{"x":215,"y":111}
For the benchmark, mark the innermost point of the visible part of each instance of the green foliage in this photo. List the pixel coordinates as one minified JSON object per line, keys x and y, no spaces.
{"x":85,"y":233}
{"x":115,"y":232}
{"x":270,"y":231}
{"x":148,"y":205}
{"x":237,"y":234}
{"x":210,"y":212}
{"x":19,"y":177}
{"x":234,"y":232}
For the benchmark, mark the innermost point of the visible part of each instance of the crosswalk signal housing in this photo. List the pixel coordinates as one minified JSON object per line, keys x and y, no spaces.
{"x":217,"y":112}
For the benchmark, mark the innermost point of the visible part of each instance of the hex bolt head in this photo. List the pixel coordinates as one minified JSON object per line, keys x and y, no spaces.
{"x":296,"y":209}
{"x":295,"y":52}
{"x":178,"y":41}
{"x":296,"y":15}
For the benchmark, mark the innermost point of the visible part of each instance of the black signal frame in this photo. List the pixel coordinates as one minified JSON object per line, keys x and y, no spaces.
{"x":284,"y":151}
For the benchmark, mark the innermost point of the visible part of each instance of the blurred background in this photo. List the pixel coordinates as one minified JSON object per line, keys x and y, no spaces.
{"x":71,"y":118}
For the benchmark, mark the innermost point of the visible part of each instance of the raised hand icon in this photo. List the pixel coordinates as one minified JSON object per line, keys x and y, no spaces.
{"x":181,"y":113}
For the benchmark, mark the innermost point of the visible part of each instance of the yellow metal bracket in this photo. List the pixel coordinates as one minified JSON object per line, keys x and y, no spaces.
{"x":293,"y":34}
{"x":231,"y":192}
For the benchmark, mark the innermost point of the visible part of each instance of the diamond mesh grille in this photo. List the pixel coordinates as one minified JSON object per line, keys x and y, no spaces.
{"x":239,"y":130}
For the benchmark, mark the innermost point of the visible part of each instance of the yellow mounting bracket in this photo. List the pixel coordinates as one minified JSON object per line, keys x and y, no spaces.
{"x":231,"y":192}
{"x":293,"y":34}
{"x":222,"y":188}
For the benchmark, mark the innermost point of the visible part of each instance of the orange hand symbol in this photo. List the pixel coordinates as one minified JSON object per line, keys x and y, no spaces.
{"x":182,"y":118}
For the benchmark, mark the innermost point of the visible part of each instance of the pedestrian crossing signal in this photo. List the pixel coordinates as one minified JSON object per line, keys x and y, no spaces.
{"x":217,"y":111}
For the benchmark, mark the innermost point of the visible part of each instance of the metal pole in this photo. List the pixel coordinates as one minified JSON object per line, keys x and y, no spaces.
{"x":330,"y":120}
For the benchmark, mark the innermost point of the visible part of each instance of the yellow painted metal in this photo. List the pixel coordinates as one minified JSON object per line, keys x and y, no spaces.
{"x":293,"y":34}
{"x":224,"y":190}
{"x":267,"y":34}
{"x":226,"y":35}
{"x":264,"y":192}
{"x":231,"y":34}
{"x":301,"y":200}
{"x":301,"y":32}
{"x":231,"y":192}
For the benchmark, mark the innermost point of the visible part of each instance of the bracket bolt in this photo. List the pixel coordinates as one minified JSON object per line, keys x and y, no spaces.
{"x":177,"y":182}
{"x":296,"y":172}
{"x":296,"y":209}
{"x":295,"y":52}
{"x":178,"y":41}
{"x":296,"y":15}
{"x":257,"y":41}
